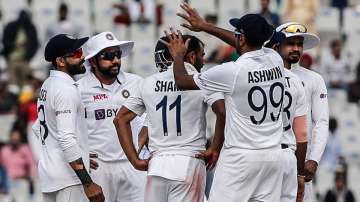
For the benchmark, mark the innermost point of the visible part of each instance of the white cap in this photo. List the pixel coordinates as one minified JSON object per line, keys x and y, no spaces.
{"x":104,"y":40}
{"x":310,"y":40}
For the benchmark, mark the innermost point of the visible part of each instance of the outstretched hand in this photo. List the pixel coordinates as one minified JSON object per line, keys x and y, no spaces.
{"x":176,"y":44}
{"x":195,"y":22}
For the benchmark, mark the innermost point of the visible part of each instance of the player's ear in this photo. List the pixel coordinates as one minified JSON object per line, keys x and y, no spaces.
{"x":190,"y":57}
{"x":276,"y":47}
{"x":60,"y":61}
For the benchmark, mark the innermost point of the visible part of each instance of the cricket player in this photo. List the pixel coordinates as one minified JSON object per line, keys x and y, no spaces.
{"x":294,"y":140}
{"x":103,"y":90}
{"x":315,"y":89}
{"x":297,"y":40}
{"x":64,"y":160}
{"x":250,"y":166}
{"x":177,"y":129}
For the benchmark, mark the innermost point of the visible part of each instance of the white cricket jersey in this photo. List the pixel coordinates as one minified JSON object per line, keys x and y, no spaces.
{"x":294,"y":105}
{"x":254,"y":87}
{"x":176,"y":119}
{"x":62,"y":130}
{"x":318,"y":111}
{"x":102,"y":103}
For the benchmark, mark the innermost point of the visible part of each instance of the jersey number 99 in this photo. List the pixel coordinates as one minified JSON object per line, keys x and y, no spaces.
{"x":264,"y":106}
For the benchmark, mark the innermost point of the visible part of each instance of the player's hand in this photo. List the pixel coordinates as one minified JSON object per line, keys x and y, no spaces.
{"x":94,"y":192}
{"x":93,"y":164}
{"x":195,"y":22}
{"x":176,"y":44}
{"x":141,"y":164}
{"x":301,"y":189}
{"x":310,"y":170}
{"x":210,"y":156}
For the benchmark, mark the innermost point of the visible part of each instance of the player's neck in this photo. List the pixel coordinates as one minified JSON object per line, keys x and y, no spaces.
{"x":104,"y":79}
{"x":287,"y":65}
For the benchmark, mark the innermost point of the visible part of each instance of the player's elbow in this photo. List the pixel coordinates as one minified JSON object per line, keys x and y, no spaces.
{"x":301,"y":136}
{"x":219,"y":109}
{"x":300,"y":129}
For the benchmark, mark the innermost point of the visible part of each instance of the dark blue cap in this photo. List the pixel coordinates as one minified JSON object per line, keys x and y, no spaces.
{"x":255,"y":28}
{"x":277,"y":37}
{"x":61,"y":45}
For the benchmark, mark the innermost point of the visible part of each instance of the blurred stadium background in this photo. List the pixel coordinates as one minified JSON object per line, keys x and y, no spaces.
{"x":23,"y":68}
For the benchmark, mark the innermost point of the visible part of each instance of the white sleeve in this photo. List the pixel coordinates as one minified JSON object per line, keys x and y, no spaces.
{"x":320,"y":120}
{"x":135,"y":102}
{"x":217,"y":79}
{"x":212,"y":98}
{"x":36,"y":128}
{"x":300,"y":107}
{"x":65,"y":105}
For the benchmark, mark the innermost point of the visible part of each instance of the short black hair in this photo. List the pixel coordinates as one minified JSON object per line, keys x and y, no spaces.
{"x":195,"y":44}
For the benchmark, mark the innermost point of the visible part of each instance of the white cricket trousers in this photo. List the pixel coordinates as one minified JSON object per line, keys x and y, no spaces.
{"x":308,"y":193}
{"x":119,"y":180}
{"x":159,"y":189}
{"x":73,"y":193}
{"x":248,"y":175}
{"x":289,"y":183}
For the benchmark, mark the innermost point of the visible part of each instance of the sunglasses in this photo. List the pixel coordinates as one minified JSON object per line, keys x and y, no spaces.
{"x":295,"y":28}
{"x":110,"y":55}
{"x":76,"y":54}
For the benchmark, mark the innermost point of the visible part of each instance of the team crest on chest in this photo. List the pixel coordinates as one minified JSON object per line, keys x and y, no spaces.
{"x":125,"y":93}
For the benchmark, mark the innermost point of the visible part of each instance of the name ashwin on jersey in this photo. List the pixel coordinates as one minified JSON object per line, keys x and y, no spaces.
{"x":166,"y":86}
{"x":264,"y":75}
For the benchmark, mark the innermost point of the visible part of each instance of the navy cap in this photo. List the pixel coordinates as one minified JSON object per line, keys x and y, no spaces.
{"x":61,"y":45}
{"x":255,"y":28}
{"x":277,"y":37}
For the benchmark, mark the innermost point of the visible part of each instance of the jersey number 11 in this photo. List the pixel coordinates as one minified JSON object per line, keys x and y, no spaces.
{"x":177,"y":105}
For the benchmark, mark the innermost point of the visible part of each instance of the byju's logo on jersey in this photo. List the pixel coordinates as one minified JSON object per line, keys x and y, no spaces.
{"x":100,"y":114}
{"x":103,"y":113}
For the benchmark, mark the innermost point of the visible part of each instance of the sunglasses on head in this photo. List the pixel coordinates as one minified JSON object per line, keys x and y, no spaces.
{"x":294,"y":28}
{"x":110,"y":55}
{"x":76,"y":54}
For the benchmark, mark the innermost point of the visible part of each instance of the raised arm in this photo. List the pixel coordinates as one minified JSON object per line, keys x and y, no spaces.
{"x":178,"y":48}
{"x":197,"y":24}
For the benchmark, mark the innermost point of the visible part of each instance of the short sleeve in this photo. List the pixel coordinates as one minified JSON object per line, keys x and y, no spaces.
{"x":212,"y":98}
{"x":220,"y":78}
{"x":135,"y":102}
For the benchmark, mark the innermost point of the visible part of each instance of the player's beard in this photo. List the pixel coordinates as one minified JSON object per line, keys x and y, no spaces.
{"x":77,"y":68}
{"x":110,"y":72}
{"x":198,"y":64}
{"x":293,"y":57}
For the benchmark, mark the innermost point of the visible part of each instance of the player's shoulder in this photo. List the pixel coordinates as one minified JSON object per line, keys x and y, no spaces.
{"x":83,"y":81}
{"x":291,"y":75}
{"x":307,"y":72}
{"x":133,"y":77}
{"x":273,"y":54}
